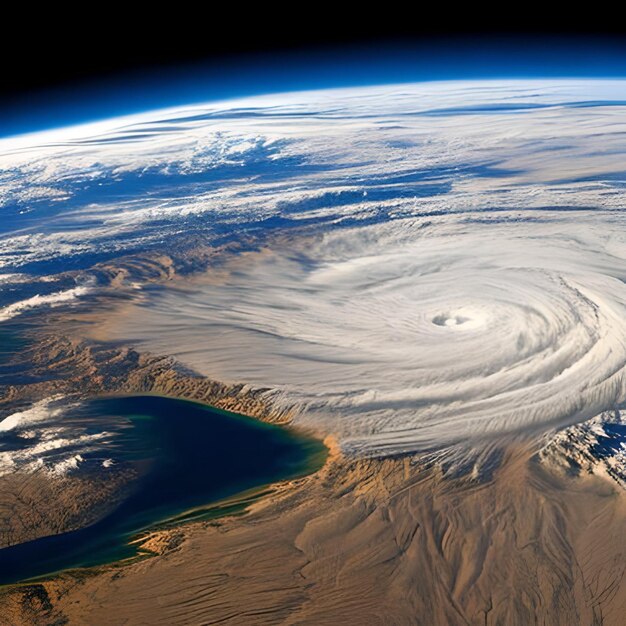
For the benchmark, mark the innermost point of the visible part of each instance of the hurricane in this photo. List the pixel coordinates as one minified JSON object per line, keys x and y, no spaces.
{"x":419,"y":266}
{"x":432,"y":335}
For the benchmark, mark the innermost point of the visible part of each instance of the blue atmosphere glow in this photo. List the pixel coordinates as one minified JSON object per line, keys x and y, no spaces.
{"x":477,"y":58}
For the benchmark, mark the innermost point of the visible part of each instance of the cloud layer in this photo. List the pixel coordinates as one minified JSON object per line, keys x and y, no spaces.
{"x":446,"y":261}
{"x":460,"y":276}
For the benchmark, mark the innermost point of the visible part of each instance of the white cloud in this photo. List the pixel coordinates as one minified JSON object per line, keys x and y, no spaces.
{"x":458,"y":271}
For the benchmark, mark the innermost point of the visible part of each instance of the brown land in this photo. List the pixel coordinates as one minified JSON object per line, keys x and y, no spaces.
{"x":38,"y":504}
{"x":373,"y":542}
{"x":34,"y":505}
{"x":392,"y":541}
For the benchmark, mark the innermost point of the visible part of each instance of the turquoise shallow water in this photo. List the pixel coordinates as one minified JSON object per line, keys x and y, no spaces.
{"x":194,"y":456}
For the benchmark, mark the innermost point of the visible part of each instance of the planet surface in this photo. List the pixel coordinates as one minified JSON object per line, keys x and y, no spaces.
{"x":430,"y":278}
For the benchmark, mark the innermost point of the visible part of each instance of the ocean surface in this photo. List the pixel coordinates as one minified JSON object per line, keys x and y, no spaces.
{"x":412,"y":266}
{"x":193,"y":456}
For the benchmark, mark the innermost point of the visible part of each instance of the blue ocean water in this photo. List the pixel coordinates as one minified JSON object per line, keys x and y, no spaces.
{"x":192,"y":456}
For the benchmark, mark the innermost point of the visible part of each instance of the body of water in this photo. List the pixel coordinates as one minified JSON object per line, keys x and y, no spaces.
{"x":193,"y":456}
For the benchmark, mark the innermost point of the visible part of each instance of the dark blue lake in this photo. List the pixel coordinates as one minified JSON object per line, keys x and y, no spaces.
{"x":193,"y":456}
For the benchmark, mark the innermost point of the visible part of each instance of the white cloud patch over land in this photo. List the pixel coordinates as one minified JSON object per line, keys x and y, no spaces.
{"x":445,"y":261}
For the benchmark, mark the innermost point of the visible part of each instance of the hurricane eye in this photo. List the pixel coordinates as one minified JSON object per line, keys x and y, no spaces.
{"x":446,"y":319}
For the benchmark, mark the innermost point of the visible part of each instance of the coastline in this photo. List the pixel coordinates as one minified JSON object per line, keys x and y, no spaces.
{"x":69,"y":365}
{"x":64,"y":361}
{"x":410,"y":542}
{"x":381,"y":531}
{"x":197,"y":463}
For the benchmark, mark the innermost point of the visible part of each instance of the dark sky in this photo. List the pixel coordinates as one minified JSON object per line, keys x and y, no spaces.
{"x":55,"y":49}
{"x":109,"y":46}
{"x":55,"y":58}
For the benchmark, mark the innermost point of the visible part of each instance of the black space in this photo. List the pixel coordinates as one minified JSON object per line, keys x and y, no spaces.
{"x":64,"y":48}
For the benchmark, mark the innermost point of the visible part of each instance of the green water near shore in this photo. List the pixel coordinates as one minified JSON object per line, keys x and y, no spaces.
{"x":200,"y":462}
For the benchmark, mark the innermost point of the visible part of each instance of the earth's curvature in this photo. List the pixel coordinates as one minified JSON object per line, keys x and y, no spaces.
{"x":427,"y":263}
{"x":418,"y":292}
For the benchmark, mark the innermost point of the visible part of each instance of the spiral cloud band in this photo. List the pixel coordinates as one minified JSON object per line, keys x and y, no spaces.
{"x":428,"y":337}
{"x":441,"y":263}
{"x":494,"y":305}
